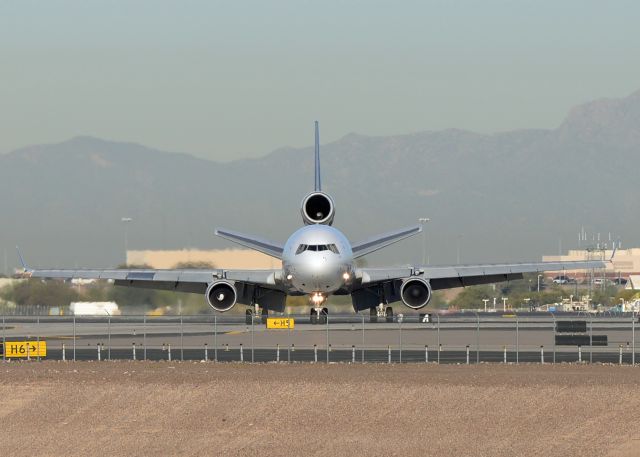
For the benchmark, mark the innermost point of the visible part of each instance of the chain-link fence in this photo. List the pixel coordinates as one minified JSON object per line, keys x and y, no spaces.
{"x":438,"y":338}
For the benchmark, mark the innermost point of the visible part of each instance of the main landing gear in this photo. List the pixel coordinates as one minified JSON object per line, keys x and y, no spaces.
{"x":254,"y":311}
{"x":381,"y":312}
{"x":319,"y":315}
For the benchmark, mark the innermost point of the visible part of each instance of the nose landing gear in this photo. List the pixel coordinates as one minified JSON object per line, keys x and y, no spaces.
{"x":319,"y":315}
{"x":379,"y":312}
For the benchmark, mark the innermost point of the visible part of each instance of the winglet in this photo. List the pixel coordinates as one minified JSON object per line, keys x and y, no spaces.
{"x":318,"y":183}
{"x":615,"y":249}
{"x":22,"y":262}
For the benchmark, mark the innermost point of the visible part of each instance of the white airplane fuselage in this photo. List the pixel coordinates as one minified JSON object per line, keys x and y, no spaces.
{"x":317,"y":259}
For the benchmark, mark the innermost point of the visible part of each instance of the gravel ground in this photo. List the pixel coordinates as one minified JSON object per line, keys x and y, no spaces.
{"x":162,"y":408}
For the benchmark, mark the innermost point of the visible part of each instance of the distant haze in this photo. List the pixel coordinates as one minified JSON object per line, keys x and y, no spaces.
{"x":501,"y":197}
{"x":224,"y":80}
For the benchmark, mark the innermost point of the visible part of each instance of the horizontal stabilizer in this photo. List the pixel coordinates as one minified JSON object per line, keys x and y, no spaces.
{"x":250,"y":241}
{"x":380,"y":241}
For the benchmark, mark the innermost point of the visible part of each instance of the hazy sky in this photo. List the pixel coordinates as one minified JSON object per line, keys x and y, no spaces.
{"x":235,"y":79}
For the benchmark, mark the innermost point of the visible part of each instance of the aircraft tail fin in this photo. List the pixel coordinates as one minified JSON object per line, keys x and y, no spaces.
{"x":318,"y":182}
{"x":378,"y":242}
{"x":22,"y":262}
{"x":252,"y":242}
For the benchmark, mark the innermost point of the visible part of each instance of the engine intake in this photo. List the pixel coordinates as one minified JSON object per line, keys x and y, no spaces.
{"x":221,"y":295}
{"x":317,"y":208}
{"x":415,"y":293}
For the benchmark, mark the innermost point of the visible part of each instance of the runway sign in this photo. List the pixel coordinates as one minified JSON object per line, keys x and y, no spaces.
{"x":280,"y":323}
{"x":19,"y":349}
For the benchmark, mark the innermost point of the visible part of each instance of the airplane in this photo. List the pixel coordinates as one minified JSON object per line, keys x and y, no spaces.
{"x":317,"y":261}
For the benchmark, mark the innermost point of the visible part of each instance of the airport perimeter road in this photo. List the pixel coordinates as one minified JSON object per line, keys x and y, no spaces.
{"x":458,"y":339}
{"x":193,"y":408}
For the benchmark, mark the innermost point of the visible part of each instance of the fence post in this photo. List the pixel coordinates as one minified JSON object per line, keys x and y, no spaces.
{"x":353,"y":354}
{"x":633,"y":338}
{"x":74,"y":338}
{"x":108,"y":337}
{"x":400,"y":329}
{"x":328,"y":344}
{"x":388,"y":354}
{"x":478,"y":339}
{"x":133,"y":346}
{"x":579,"y":354}
{"x":4,"y":339}
{"x":278,"y":353}
{"x":98,"y":352}
{"x":591,"y":339}
{"x":38,"y":337}
{"x":181,"y":339}
{"x":542,"y":354}
{"x":64,"y":358}
{"x":215,"y":338}
{"x":252,"y":339}
{"x":144,"y":337}
{"x":241,"y":353}
{"x":206,"y":352}
{"x":315,"y":353}
{"x":438,"y":332}
{"x":426,"y":353}
{"x":620,"y":354}
{"x":517,"y":340}
{"x":504,"y":357}
{"x":467,"y":354}
{"x":363,"y":339}
{"x":554,"y":337}
{"x":169,"y":351}
{"x":28,"y":357}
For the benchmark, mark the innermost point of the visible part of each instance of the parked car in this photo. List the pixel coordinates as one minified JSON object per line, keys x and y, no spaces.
{"x":620,"y":281}
{"x":562,"y":279}
{"x":602,"y":281}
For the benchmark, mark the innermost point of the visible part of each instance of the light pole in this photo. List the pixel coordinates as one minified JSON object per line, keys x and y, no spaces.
{"x":126,"y":221}
{"x":424,"y":220}
{"x":539,"y":276}
{"x":504,"y":303}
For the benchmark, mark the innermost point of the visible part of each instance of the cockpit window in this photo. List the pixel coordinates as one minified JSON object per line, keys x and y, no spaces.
{"x":317,"y":247}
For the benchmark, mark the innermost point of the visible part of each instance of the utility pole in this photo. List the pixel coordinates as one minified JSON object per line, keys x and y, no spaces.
{"x":126,"y":221}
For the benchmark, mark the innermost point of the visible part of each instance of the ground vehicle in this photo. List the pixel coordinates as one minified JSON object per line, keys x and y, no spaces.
{"x":562,"y":279}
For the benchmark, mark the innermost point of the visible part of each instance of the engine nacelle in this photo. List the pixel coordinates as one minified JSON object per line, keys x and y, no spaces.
{"x":221,"y":295}
{"x":318,"y":208}
{"x":415,"y":293}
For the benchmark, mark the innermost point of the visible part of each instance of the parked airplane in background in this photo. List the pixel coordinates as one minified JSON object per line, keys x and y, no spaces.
{"x":318,"y":261}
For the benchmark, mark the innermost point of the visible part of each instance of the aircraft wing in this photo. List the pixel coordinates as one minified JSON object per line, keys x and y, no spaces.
{"x":193,"y":281}
{"x":450,"y":276}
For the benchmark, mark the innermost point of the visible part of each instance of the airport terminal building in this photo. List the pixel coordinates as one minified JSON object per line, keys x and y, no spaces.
{"x":625,"y":263}
{"x":219,"y":258}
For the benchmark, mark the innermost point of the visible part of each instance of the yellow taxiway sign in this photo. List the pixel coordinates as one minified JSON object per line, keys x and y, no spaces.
{"x":280,"y":322}
{"x":25,"y":349}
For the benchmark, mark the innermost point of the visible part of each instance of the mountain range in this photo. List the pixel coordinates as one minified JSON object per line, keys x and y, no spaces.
{"x":491,"y":197}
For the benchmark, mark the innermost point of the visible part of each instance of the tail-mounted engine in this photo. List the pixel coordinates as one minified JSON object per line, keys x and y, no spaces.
{"x":221,"y":295}
{"x":318,"y":208}
{"x":415,"y":293}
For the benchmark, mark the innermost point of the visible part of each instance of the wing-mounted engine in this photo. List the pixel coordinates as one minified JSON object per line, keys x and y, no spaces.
{"x":221,"y":295}
{"x":415,"y":293}
{"x":318,"y":208}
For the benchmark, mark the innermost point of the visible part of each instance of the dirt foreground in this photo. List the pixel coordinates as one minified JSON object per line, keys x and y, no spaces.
{"x":164,"y":408}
